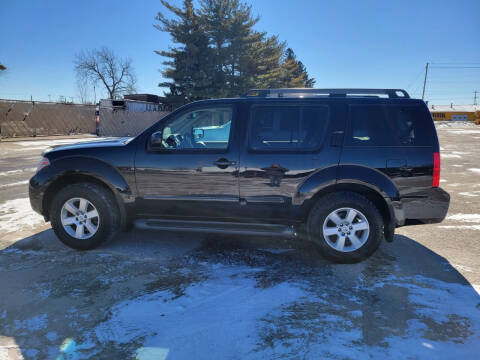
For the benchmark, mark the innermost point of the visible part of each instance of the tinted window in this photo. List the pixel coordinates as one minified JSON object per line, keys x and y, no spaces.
{"x":207,"y":128}
{"x":384,"y":125}
{"x":288,"y":127}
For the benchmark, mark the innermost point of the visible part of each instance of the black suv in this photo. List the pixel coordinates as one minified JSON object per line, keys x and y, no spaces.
{"x":344,"y":167}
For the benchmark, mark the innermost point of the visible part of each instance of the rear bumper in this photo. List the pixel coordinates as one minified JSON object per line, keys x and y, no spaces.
{"x":429,"y":209}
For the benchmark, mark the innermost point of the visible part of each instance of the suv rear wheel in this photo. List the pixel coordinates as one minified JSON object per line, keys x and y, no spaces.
{"x":346,"y":226}
{"x":84,"y":215}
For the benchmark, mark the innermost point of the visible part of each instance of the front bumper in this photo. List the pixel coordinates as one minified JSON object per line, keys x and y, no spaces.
{"x":429,"y":209}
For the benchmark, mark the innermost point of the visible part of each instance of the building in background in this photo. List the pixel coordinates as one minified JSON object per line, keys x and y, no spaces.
{"x":453,"y":112}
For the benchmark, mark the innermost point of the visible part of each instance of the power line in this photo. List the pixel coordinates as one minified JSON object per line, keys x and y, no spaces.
{"x":456,"y":63}
{"x":455,"y":67}
{"x":417,"y":77}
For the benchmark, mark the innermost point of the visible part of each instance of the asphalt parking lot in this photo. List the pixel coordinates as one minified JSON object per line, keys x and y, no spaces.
{"x":152,"y":295}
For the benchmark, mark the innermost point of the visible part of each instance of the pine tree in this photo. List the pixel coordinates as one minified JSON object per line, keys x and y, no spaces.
{"x":219,"y":54}
{"x":189,"y":65}
{"x":294,"y":73}
{"x":245,"y":58}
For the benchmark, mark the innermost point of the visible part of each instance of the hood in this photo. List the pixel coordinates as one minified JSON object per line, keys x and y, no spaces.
{"x":110,"y":142}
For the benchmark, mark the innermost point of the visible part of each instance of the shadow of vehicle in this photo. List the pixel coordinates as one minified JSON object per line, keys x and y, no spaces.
{"x":145,"y":290}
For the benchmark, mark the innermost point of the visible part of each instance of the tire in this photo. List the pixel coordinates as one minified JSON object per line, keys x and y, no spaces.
{"x":341,"y":242}
{"x":73,"y":197}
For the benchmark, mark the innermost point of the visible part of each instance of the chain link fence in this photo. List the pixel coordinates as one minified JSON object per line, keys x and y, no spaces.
{"x":27,"y":118}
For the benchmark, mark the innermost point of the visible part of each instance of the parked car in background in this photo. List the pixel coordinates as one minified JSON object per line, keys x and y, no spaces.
{"x":347,"y":166}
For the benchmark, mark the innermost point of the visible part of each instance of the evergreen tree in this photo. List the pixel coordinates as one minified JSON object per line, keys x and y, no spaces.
{"x":245,"y":58}
{"x":219,"y":54}
{"x":189,"y":65}
{"x":294,"y":73}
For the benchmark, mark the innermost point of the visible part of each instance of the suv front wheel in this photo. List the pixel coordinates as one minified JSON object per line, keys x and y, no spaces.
{"x":346,"y":226}
{"x":84,"y":215}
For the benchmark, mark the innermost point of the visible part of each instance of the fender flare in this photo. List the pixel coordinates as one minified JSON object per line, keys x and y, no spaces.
{"x":372,"y":178}
{"x":335,"y":176}
{"x":346,"y":174}
{"x":92,"y":168}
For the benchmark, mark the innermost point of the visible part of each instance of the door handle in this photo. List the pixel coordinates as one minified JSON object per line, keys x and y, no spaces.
{"x":224,"y":163}
{"x":337,"y":138}
{"x":406,"y":168}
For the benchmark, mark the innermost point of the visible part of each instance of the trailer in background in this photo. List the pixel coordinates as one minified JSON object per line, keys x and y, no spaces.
{"x":130,"y":116}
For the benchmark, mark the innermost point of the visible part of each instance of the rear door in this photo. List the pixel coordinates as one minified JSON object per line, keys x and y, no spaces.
{"x":285,"y":143}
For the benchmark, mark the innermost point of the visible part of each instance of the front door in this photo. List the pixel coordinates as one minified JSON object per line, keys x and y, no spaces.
{"x":191,"y":170}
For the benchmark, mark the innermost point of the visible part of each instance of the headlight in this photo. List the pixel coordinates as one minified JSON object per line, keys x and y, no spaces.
{"x":43,"y":163}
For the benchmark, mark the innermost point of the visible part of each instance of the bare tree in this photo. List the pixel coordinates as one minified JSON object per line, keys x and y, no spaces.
{"x":83,"y":90}
{"x":102,"y":65}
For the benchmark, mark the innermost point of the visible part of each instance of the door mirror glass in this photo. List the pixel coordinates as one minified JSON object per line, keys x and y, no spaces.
{"x":156,"y":140}
{"x":198,"y":133}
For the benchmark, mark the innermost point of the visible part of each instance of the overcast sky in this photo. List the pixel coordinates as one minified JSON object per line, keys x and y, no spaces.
{"x":342,"y":43}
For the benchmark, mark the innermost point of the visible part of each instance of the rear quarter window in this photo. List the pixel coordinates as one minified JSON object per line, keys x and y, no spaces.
{"x":387,"y":125}
{"x":287,"y":128}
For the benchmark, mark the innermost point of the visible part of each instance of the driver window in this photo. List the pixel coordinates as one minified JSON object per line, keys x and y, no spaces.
{"x":207,"y":128}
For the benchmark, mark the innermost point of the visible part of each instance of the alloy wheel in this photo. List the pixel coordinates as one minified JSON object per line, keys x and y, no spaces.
{"x":80,"y":218}
{"x":346,"y":229}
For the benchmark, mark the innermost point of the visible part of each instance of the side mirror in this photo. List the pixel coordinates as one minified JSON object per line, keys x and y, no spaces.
{"x":198,"y":133}
{"x":156,"y":139}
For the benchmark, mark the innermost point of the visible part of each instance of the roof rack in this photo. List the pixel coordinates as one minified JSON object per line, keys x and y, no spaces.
{"x":308,"y":92}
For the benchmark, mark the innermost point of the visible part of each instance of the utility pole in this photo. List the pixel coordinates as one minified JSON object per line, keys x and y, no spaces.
{"x":425,"y":81}
{"x":475,"y":97}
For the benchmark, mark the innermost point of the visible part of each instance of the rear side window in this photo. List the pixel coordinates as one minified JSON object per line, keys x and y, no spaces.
{"x":290,"y":128}
{"x":385,"y":125}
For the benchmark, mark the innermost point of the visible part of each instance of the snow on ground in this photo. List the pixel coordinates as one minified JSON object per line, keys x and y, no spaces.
{"x":464,"y":132}
{"x":228,"y":315}
{"x":17,"y":172}
{"x":450,"y":156}
{"x":464,"y":217}
{"x":453,"y":125}
{"x":223,"y":309}
{"x":17,"y":215}
{"x":470,"y":193}
{"x":465,"y":227}
{"x":16,"y":183}
{"x":475,"y":170}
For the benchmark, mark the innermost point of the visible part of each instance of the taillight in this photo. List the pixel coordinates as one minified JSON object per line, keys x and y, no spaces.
{"x":436,"y":169}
